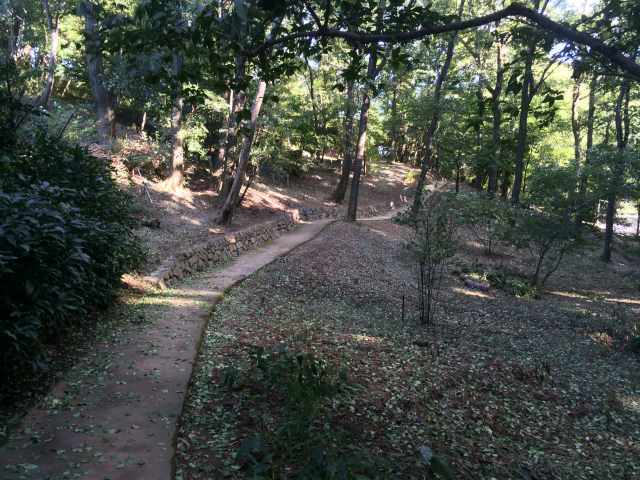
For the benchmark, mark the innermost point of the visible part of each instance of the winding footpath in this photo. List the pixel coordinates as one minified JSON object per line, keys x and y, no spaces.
{"x":115,"y":414}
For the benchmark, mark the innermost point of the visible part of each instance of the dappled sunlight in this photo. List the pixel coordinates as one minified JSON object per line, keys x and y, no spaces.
{"x":192,"y":221}
{"x":631,"y":403}
{"x":572,"y":295}
{"x":174,"y":297}
{"x":602,"y":295}
{"x":367,"y":339}
{"x":627,"y":301}
{"x":473,"y":293}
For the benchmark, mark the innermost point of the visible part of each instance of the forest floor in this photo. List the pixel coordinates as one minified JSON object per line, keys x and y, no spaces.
{"x":177,"y":219}
{"x":309,"y":369}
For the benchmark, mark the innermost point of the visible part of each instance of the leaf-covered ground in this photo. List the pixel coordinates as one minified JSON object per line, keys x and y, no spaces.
{"x":503,"y":387}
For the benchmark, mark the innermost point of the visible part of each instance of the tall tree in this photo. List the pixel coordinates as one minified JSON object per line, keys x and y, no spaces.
{"x":435,"y":118}
{"x":93,"y":51}
{"x":52,"y":19}
{"x":347,"y":160}
{"x":496,"y":109}
{"x":231,"y":201}
{"x":622,"y":137}
{"x":372,"y":72}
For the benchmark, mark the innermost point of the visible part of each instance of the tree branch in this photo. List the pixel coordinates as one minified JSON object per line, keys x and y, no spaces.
{"x":560,"y":30}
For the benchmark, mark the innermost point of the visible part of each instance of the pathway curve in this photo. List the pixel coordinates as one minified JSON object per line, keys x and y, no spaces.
{"x":115,"y":414}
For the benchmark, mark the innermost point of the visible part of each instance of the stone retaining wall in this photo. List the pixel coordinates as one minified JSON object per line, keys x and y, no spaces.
{"x":222,"y":249}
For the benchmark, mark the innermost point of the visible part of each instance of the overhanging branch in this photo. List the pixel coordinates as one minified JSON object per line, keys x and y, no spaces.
{"x":560,"y":30}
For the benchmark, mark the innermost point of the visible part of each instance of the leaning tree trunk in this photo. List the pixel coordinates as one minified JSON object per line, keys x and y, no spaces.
{"x":231,"y":201}
{"x":435,"y":119}
{"x":228,"y":144}
{"x":496,"y":93}
{"x":53,"y":30}
{"x":347,"y":161}
{"x":618,"y":171}
{"x":93,"y":47}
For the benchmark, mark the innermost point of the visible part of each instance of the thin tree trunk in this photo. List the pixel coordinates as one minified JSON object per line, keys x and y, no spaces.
{"x":93,"y":47}
{"x":494,"y":159}
{"x":435,"y":118}
{"x":582,"y":189}
{"x":347,"y":161}
{"x":231,"y":201}
{"x":394,"y":120}
{"x":504,"y":186}
{"x":314,"y":109}
{"x":575,"y":126}
{"x":621,"y":140}
{"x":53,"y":30}
{"x":352,"y":210}
{"x":523,"y":121}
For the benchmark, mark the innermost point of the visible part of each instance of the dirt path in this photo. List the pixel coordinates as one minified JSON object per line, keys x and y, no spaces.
{"x":115,"y":414}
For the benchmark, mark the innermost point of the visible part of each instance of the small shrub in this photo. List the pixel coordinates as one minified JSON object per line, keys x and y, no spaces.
{"x":305,"y":378}
{"x":485,"y":217}
{"x":433,"y":245}
{"x":514,"y":285}
{"x":546,"y":236}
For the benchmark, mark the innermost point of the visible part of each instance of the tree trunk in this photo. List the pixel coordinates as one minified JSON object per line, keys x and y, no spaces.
{"x":53,"y":30}
{"x":372,"y":73}
{"x":435,"y":118}
{"x":352,"y":210}
{"x":582,"y":189}
{"x":523,"y":120}
{"x":230,"y":140}
{"x":395,"y":137}
{"x":618,"y":171}
{"x":347,"y":161}
{"x":93,"y":48}
{"x":231,"y":201}
{"x":13,"y":39}
{"x":504,"y":186}
{"x":494,"y":159}
{"x":575,"y":126}
{"x":177,"y":149}
{"x":176,"y":133}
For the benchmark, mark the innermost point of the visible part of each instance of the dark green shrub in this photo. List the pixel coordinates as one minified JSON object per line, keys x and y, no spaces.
{"x":65,"y":241}
{"x":634,"y":345}
{"x":306,"y":379}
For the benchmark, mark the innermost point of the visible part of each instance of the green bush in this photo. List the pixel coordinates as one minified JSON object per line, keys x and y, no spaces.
{"x":485,"y":217}
{"x":65,"y":241}
{"x":546,"y":236}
